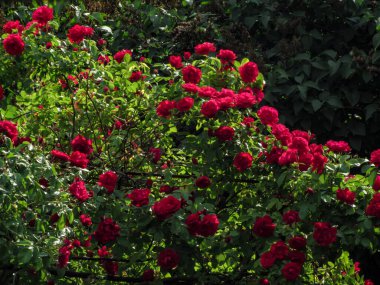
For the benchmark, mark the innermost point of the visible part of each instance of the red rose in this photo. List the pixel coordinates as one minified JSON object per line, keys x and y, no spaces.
{"x":175,"y":61}
{"x":85,"y":220}
{"x":64,"y":255}
{"x":59,"y":155}
{"x":192,"y":222}
{"x":185,"y":104}
{"x":9,"y":129}
{"x":148,"y":275}
{"x":108,"y":180}
{"x":156,"y":154}
{"x":205,"y":48}
{"x":209,"y":225}
{"x":291,"y":271}
{"x":103,"y":59}
{"x":248,"y":122}
{"x":79,"y":191}
{"x":186,"y":55}
{"x":191,"y":74}
{"x":368,"y":282}
{"x":318,"y":163}
{"x":210,"y":108}
{"x":10,"y":26}
{"x":297,"y":256}
{"x":119,"y":56}
{"x":245,"y":100}
{"x":249,"y":72}
{"x":48,"y":45}
{"x":14,"y":45}
{"x":203,"y":182}
{"x":136,"y":76}
{"x":77,"y":33}
{"x":207,"y":92}
{"x":225,"y":133}
{"x":79,"y":159}
{"x":264,"y":226}
{"x":103,"y":252}
{"x":80,"y":143}
{"x":43,"y":15}
{"x":279,"y":250}
{"x":373,"y":209}
{"x":282,"y":133}
{"x":324,"y":234}
{"x":291,"y":217}
{"x":167,"y":189}
{"x":166,"y":207}
{"x":268,"y":115}
{"x":164,"y":108}
{"x":267,"y":259}
{"x":274,"y":155}
{"x":190,"y":87}
{"x":300,"y":144}
{"x":259,"y":94}
{"x":226,"y":56}
{"x":346,"y":196}
{"x":108,"y":230}
{"x":264,"y":281}
{"x":376,"y":183}
{"x":375,"y":157}
{"x":297,"y":242}
{"x":139,"y":197}
{"x":243,"y":161}
{"x":168,"y":259}
{"x":338,"y":146}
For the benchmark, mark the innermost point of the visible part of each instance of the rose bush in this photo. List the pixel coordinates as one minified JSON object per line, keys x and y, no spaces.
{"x":132,"y":170}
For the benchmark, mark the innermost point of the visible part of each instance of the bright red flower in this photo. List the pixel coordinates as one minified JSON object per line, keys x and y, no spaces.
{"x":156,"y":154}
{"x":139,"y":197}
{"x":225,"y":133}
{"x":264,"y":226}
{"x":10,"y":26}
{"x":168,"y":259}
{"x":80,"y":143}
{"x":79,"y":191}
{"x":318,"y":163}
{"x":190,"y":87}
{"x":208,"y":225}
{"x":244,"y":100}
{"x":268,"y":115}
{"x":9,"y":129}
{"x":108,"y":180}
{"x":43,"y":15}
{"x":175,"y":61}
{"x":375,"y":157}
{"x":226,"y":56}
{"x":248,"y":121}
{"x":103,"y":59}
{"x":119,"y":56}
{"x":136,"y":76}
{"x":280,"y":250}
{"x":324,"y":234}
{"x":249,"y":72}
{"x":376,"y":183}
{"x":346,"y":196}
{"x":191,"y":74}
{"x":207,"y":92}
{"x":210,"y":108}
{"x":291,"y":271}
{"x":59,"y":155}
{"x":79,"y":159}
{"x":164,"y":108}
{"x":166,"y":207}
{"x":186,"y":55}
{"x":78,"y":33}
{"x":85,"y":220}
{"x":243,"y":161}
{"x":373,"y":209}
{"x":338,"y":146}
{"x":267,"y":259}
{"x":107,"y":231}
{"x":185,"y":104}
{"x":205,"y":48}
{"x":13,"y":44}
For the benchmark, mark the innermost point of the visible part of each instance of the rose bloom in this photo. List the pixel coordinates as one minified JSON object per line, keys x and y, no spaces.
{"x":210,"y":108}
{"x":79,"y":159}
{"x":155,"y":153}
{"x":8,"y":129}
{"x":190,"y":87}
{"x":186,"y":55}
{"x":279,"y":250}
{"x":205,"y":48}
{"x":59,"y":155}
{"x":43,"y":15}
{"x":248,"y":121}
{"x":373,"y":209}
{"x":164,"y":108}
{"x":108,"y":230}
{"x":245,"y":100}
{"x":119,"y":56}
{"x":324,"y":234}
{"x":297,"y":256}
{"x":274,"y":155}
{"x":291,"y":217}
{"x":225,"y":133}
{"x":79,"y":191}
{"x":376,"y":183}
{"x":268,"y":115}
{"x":148,"y":275}
{"x":166,"y":207}
{"x":139,"y":197}
{"x":249,"y":72}
{"x":300,"y":144}
{"x":185,"y":104}
{"x":80,"y":143}
{"x":13,"y":44}
{"x":103,"y":59}
{"x":108,"y":180}
{"x":64,"y":255}
{"x":264,"y":226}
{"x":168,"y":259}
{"x":243,"y":161}
{"x":282,"y":133}
{"x":10,"y":26}
{"x":291,"y":271}
{"x":85,"y":220}
{"x":191,"y":74}
{"x":226,"y":56}
{"x":203,"y":182}
{"x":175,"y":61}
{"x":346,"y":196}
{"x":375,"y":157}
{"x":318,"y":163}
{"x":297,"y":242}
{"x":267,"y":259}
{"x":207,"y":226}
{"x":136,"y":76}
{"x":264,"y":281}
{"x":338,"y":146}
{"x":207,"y":92}
{"x":77,"y":33}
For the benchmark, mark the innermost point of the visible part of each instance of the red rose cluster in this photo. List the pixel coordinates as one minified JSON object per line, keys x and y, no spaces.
{"x":165,"y":107}
{"x":264,"y":226}
{"x":78,"y":33}
{"x":119,"y":56}
{"x":346,"y":196}
{"x":338,"y":146}
{"x":375,"y":157}
{"x":108,"y":230}
{"x":139,"y":197}
{"x":324,"y":234}
{"x":79,"y":191}
{"x":166,"y":207}
{"x":205,"y":226}
{"x":373,"y":208}
{"x":108,"y":180}
{"x":8,"y":129}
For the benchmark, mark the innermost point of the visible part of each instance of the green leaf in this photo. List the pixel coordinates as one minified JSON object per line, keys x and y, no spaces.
{"x":316,"y":104}
{"x":376,"y":40}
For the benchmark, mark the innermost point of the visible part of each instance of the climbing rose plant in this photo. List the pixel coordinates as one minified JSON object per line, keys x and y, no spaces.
{"x":131,"y":170}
